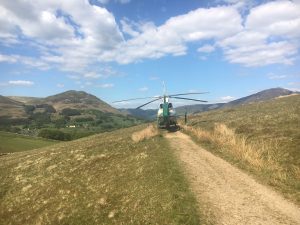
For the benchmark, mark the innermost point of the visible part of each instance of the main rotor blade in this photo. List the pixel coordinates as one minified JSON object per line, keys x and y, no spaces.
{"x":148,"y":103}
{"x":190,"y":93}
{"x":197,"y":100}
{"x":131,"y":99}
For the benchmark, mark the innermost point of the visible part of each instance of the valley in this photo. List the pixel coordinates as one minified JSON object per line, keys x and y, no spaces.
{"x":207,"y":172}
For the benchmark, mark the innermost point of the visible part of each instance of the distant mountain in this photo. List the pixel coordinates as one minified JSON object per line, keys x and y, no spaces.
{"x":191,"y":109}
{"x":11,"y":108}
{"x":147,"y":114}
{"x":261,"y":96}
{"x":56,"y":116}
{"x":69,"y":99}
{"x":197,"y":108}
{"x":27,"y":100}
{"x":78,"y":100}
{"x":8,"y":101}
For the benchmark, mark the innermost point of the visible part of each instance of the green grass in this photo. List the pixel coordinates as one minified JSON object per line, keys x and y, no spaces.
{"x":10,"y":142}
{"x":101,"y":179}
{"x":270,"y":128}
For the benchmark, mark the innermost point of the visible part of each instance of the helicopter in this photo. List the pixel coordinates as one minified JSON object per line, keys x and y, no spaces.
{"x":166,"y":114}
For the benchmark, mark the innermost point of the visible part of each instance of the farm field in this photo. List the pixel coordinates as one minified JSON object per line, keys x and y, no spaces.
{"x":11,"y":142}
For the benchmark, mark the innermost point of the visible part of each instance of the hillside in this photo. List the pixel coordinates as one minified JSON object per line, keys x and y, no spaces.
{"x":27,"y":100}
{"x":65,"y":116}
{"x":103,"y":179}
{"x":262,"y":138}
{"x":78,"y":100}
{"x":261,"y":96}
{"x":11,"y":142}
{"x":264,"y":95}
{"x":147,"y":114}
{"x":191,"y":109}
{"x":11,"y":108}
{"x":68,"y":99}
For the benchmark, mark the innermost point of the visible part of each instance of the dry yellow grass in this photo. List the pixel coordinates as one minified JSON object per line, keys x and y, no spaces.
{"x":146,"y":133}
{"x":102,"y":179}
{"x":262,"y":138}
{"x":258,"y":154}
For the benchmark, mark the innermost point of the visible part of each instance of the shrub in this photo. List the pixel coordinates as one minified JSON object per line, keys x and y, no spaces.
{"x":70,"y":112}
{"x":29,"y":109}
{"x":54,"y":134}
{"x":83,"y":119}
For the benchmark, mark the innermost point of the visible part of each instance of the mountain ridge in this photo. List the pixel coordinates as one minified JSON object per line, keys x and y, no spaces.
{"x":197,"y":108}
{"x":68,"y":99}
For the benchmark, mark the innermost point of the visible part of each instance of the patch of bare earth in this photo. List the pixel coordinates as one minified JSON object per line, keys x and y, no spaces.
{"x":226,"y":194}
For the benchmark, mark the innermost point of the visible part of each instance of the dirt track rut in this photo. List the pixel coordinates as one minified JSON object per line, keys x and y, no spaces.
{"x":227,"y":194}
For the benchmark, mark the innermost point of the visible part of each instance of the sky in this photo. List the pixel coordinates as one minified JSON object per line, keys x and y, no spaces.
{"x":118,"y":49}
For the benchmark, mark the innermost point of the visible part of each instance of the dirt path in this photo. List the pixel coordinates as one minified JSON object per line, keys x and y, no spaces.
{"x":227,"y":194}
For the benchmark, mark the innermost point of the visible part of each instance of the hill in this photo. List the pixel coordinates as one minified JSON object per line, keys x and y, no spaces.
{"x":147,"y":114}
{"x":261,"y":96}
{"x":11,"y":108}
{"x":78,"y":100}
{"x":191,"y":109}
{"x":11,"y":142}
{"x":27,"y":100}
{"x":65,"y":116}
{"x":103,"y":179}
{"x":262,"y":137}
{"x":257,"y":97}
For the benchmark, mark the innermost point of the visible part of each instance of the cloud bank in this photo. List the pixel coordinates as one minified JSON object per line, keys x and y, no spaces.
{"x":77,"y":36}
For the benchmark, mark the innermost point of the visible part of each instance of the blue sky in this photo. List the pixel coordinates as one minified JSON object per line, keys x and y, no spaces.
{"x":117,"y":49}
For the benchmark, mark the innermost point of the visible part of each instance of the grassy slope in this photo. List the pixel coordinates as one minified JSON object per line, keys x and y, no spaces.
{"x":101,"y":179}
{"x":270,"y":128}
{"x":10,"y":142}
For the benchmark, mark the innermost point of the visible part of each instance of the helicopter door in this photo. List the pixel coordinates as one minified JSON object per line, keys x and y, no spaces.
{"x":166,"y":109}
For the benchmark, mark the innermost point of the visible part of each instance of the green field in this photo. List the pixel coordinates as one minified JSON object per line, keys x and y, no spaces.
{"x":262,"y":138}
{"x":10,"y":142}
{"x":109,"y":178}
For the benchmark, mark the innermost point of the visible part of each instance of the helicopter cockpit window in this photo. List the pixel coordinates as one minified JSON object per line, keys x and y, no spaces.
{"x":161,"y":106}
{"x":170,"y":105}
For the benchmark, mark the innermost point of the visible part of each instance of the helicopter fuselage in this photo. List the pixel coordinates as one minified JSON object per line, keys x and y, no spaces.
{"x":166,"y":115}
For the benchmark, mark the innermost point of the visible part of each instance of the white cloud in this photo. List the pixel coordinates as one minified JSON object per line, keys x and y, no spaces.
{"x":172,"y":37}
{"x":263,"y":54}
{"x":276,"y":18}
{"x":294,"y":83}
{"x":27,"y":61}
{"x":74,"y":77}
{"x":276,"y":77}
{"x":270,"y":36}
{"x":143,"y":89}
{"x":7,"y":58}
{"x":128,"y":27}
{"x":91,"y":75}
{"x":206,"y":48}
{"x":63,"y":30}
{"x":108,"y":85}
{"x":117,"y":1}
{"x":79,"y":37}
{"x":59,"y":85}
{"x":294,"y":89}
{"x":21,"y":82}
{"x":242,"y":5}
{"x":227,"y":98}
